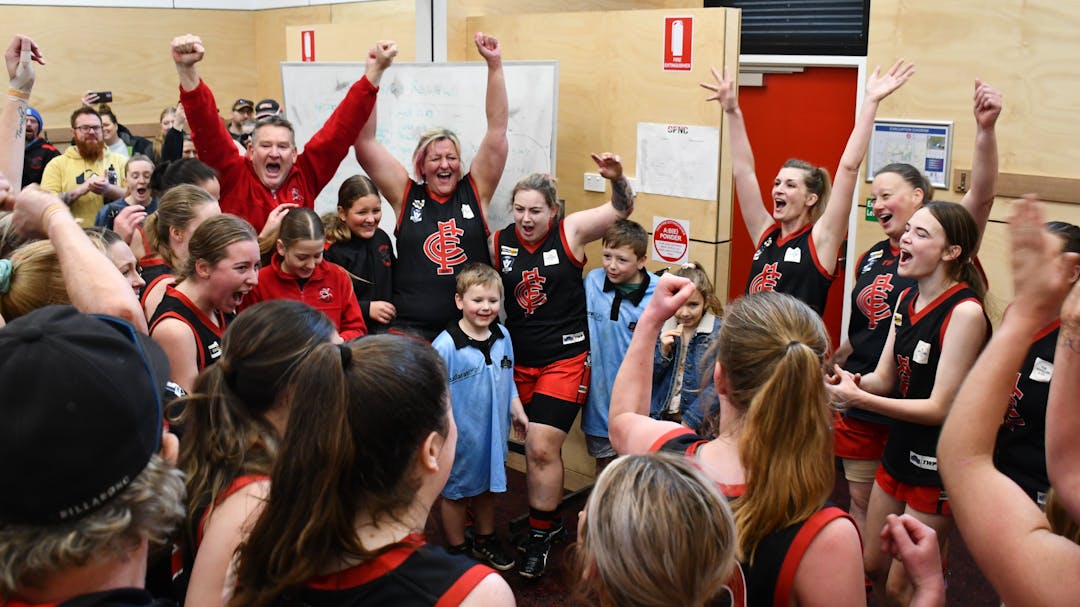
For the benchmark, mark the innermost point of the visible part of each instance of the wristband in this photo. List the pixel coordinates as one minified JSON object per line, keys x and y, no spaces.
{"x":48,"y":213}
{"x":18,"y":94}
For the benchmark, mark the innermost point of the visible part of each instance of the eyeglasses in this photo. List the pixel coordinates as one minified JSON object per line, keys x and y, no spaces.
{"x":88,"y":129}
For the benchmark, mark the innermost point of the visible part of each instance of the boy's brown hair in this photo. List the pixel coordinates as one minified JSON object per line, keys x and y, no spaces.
{"x":626,"y":233}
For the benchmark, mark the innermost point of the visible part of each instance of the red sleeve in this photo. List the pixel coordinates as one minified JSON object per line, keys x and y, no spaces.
{"x":352,"y":323}
{"x":326,"y":149}
{"x":212,"y":141}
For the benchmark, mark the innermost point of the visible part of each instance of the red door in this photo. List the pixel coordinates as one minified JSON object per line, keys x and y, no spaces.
{"x":806,"y":115}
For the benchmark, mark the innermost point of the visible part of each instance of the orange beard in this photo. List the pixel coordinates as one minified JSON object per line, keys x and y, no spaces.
{"x":90,"y":150}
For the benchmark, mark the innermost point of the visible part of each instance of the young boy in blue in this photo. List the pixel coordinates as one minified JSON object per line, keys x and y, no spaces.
{"x":616,"y":295}
{"x":480,"y":362}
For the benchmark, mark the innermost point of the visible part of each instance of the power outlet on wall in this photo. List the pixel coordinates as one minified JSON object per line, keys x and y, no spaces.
{"x":594,"y":182}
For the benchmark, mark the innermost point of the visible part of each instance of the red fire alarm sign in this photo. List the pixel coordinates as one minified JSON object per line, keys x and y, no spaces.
{"x":307,"y":45}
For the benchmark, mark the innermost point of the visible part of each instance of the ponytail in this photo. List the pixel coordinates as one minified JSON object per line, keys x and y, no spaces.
{"x":308,"y":521}
{"x":31,"y":279}
{"x":772,"y":349}
{"x":960,"y":230}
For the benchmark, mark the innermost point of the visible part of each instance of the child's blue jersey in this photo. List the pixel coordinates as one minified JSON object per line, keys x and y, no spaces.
{"x":481,"y":387}
{"x":612,"y":318}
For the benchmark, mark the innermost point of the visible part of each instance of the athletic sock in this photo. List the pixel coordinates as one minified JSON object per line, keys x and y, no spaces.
{"x":541,"y":520}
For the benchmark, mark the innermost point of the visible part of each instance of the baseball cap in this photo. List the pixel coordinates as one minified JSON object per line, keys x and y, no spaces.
{"x":266,"y":107}
{"x":80,"y":415}
{"x":239,"y":103}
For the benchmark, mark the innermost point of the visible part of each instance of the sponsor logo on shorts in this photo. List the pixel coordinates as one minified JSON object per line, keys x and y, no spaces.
{"x":925,"y":462}
{"x":573,"y":338}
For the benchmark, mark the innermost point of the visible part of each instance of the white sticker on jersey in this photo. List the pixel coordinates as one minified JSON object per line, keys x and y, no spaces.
{"x":551,"y":257}
{"x":1042,"y":371}
{"x":466,"y":211}
{"x":505,"y":250}
{"x":922,"y":353}
{"x":925,"y":462}
{"x":794,"y":255}
{"x":573,"y":338}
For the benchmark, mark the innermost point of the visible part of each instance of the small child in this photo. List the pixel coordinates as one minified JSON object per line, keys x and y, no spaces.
{"x":680,"y":351}
{"x":359,"y":245}
{"x":616,"y":295}
{"x":480,"y":362}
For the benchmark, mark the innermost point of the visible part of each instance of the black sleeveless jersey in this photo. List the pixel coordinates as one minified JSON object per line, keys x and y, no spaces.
{"x":435,"y":239}
{"x":544,"y":297}
{"x":207,"y":335}
{"x":413,"y":574}
{"x":911,"y":450}
{"x":791,"y":266}
{"x":1020,"y":452}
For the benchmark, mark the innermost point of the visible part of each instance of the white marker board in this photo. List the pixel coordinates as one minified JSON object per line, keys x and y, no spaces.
{"x":416,"y":97}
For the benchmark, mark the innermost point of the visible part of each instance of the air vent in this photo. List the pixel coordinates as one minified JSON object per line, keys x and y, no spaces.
{"x":802,"y":27}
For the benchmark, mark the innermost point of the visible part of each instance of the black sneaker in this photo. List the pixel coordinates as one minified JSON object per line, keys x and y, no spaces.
{"x":488,"y":550}
{"x":536,"y":549}
{"x":464,"y":548}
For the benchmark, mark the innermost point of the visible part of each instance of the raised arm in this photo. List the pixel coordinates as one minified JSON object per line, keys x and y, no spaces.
{"x":389,"y":175}
{"x":830,"y":229}
{"x":93,"y":283}
{"x":984,"y":165}
{"x":1062,"y":413}
{"x":757,"y":218}
{"x":487,"y":167}
{"x":629,"y":426}
{"x":19,"y":57}
{"x":1031,"y":570}
{"x":586,"y":226}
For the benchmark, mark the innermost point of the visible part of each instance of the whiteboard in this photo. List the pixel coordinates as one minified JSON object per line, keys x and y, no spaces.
{"x":416,"y":97}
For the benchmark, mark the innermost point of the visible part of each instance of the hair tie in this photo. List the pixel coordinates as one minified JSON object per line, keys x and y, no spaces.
{"x":793,"y":343}
{"x":346,"y":355}
{"x":6,"y":269}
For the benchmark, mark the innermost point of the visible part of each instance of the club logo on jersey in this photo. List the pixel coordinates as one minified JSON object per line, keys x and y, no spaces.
{"x":529,"y":293}
{"x":873,"y":301}
{"x":766,"y":279}
{"x":761,"y":249}
{"x":443,"y":247}
{"x":506,"y":363}
{"x":416,"y":213}
{"x":903,"y":370}
{"x":326,"y":294}
{"x":507,"y":256}
{"x":296,"y":196}
{"x":1013,"y":419}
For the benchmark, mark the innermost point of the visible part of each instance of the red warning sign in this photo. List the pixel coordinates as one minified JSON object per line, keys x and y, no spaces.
{"x":678,"y":42}
{"x":671,"y":241}
{"x":307,"y":45}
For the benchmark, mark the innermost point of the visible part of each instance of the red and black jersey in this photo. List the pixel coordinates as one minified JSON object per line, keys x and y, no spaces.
{"x":683,"y":441}
{"x":412,"y":574}
{"x":544,"y":297}
{"x":911,"y":451}
{"x":435,"y":238}
{"x":207,"y":334}
{"x":790,"y":265}
{"x":1020,"y":451}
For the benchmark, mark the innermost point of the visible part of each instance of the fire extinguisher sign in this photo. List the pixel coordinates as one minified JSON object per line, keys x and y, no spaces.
{"x":678,"y":42}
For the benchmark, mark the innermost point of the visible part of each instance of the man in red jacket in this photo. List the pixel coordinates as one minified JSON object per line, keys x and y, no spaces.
{"x":252,"y":186}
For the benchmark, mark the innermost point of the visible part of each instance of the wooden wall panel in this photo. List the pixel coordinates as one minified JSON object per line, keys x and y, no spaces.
{"x":354,"y":28}
{"x":1027,"y":49}
{"x":127,"y":51}
{"x":269,"y":31}
{"x":457,"y":11}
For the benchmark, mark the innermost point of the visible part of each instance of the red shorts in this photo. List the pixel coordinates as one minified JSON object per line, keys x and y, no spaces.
{"x":858,"y":439}
{"x":928,"y":500}
{"x":566,"y":379}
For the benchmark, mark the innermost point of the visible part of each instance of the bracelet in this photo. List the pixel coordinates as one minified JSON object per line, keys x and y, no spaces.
{"x":48,"y":213}
{"x":14,"y":92}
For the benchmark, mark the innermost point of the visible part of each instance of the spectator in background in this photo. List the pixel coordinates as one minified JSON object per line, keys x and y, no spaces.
{"x":267,"y":108}
{"x":38,"y":149}
{"x":137,"y":173}
{"x":86,"y":174}
{"x":242,"y":111}
{"x":119,"y":139}
{"x":167,"y":118}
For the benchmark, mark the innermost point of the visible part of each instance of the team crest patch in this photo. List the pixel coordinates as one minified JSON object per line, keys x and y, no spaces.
{"x":507,"y":263}
{"x":415,"y":216}
{"x":296,"y":197}
{"x":326,"y":294}
{"x":506,"y":257}
{"x":505,"y":363}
